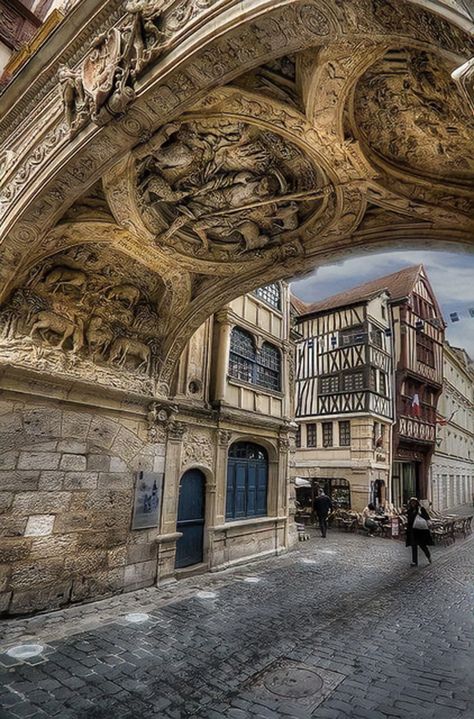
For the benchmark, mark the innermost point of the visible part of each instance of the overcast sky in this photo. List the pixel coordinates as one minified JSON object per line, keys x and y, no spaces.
{"x":451,"y":275}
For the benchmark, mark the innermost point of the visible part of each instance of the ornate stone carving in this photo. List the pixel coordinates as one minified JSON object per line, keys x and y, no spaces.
{"x":409,"y":113}
{"x":224,"y":189}
{"x":223,"y":437}
{"x":159,"y":417}
{"x":198,"y":449}
{"x":75,"y":314}
{"x":147,"y":36}
{"x":176,"y":431}
{"x":464,"y":76}
{"x":101,"y":88}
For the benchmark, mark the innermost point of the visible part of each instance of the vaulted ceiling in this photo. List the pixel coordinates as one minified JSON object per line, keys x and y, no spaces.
{"x":198,"y":151}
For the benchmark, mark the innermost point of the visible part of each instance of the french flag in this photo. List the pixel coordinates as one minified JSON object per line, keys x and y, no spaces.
{"x":415,"y":405}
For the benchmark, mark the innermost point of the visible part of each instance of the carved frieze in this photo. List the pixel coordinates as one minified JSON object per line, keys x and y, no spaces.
{"x":198,"y":449}
{"x":78,"y":313}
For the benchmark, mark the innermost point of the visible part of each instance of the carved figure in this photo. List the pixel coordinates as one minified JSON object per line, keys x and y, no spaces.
{"x":52,"y":322}
{"x":123,"y":347}
{"x":73,"y":97}
{"x":124,"y":293}
{"x":147,"y":36}
{"x":98,"y":336}
{"x":65,"y":277}
{"x":227,"y":182}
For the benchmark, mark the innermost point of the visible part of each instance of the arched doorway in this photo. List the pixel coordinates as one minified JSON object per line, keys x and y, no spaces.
{"x":247,"y":481}
{"x":191,"y":507}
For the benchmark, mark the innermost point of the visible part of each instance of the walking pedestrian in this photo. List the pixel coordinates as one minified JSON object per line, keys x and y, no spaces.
{"x":322,"y":507}
{"x":418,"y":531}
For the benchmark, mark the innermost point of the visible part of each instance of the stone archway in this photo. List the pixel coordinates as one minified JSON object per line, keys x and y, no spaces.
{"x":224,"y":144}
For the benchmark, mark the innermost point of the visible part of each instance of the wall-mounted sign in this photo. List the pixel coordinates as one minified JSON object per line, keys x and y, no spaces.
{"x":148,"y":494}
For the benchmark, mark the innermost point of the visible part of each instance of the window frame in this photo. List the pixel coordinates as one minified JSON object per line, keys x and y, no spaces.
{"x":312,"y":434}
{"x":264,"y":296}
{"x":333,"y":383}
{"x":255,"y":365}
{"x":328,"y":434}
{"x":345,"y":431}
{"x":425,"y":350}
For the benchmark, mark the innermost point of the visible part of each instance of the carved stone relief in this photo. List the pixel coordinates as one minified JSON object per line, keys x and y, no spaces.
{"x":222,"y":189}
{"x":88,"y":313}
{"x":408,"y":111}
{"x":198,"y":449}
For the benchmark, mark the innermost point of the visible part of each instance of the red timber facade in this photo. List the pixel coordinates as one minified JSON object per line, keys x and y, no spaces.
{"x":418,"y":329}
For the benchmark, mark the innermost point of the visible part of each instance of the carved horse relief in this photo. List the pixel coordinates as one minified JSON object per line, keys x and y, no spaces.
{"x":45,"y":321}
{"x":124,"y":347}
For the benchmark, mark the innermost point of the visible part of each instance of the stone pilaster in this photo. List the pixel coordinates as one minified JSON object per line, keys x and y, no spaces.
{"x":169,"y":536}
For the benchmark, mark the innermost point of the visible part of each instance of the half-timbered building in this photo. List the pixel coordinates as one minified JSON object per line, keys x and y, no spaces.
{"x":418,"y":330}
{"x":350,"y":343}
{"x":343,"y":395}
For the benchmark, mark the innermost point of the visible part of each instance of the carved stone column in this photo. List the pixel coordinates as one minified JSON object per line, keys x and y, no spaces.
{"x":218,"y":550}
{"x":287,"y":496}
{"x":224,"y":328}
{"x":169,"y":536}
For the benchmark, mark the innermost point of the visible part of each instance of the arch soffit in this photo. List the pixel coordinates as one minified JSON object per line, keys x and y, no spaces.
{"x":132,"y":125}
{"x":343,"y":163}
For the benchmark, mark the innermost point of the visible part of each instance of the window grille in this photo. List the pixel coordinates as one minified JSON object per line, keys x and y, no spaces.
{"x":373,"y":379}
{"x":298,"y":437}
{"x":352,"y":336}
{"x":329,"y":384}
{"x":353,"y":381}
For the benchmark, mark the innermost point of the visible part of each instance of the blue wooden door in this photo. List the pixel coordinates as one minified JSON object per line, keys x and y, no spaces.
{"x":247,"y":479}
{"x":189,"y":548}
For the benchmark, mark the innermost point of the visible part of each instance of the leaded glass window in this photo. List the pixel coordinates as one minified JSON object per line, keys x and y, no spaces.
{"x":344,"y":433}
{"x":270,"y":294}
{"x":327,"y":434}
{"x":311,"y":435}
{"x":259,"y":367}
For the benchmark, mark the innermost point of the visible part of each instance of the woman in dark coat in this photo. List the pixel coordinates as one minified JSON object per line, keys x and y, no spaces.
{"x":418,"y":537}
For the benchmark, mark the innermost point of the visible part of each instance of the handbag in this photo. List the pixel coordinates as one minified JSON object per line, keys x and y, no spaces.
{"x":420,"y":523}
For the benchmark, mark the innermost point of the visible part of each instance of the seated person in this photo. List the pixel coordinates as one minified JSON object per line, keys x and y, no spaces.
{"x":367,"y":517}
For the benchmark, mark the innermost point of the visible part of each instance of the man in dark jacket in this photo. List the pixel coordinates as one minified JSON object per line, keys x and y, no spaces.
{"x":322,"y":507}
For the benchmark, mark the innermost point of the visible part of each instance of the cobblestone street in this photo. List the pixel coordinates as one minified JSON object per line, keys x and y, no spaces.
{"x":341,"y":627}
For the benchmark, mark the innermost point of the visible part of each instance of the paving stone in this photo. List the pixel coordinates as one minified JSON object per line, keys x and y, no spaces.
{"x":398,"y":643}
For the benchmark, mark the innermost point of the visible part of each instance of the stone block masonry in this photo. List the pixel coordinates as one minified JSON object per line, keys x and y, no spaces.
{"x":66,"y":500}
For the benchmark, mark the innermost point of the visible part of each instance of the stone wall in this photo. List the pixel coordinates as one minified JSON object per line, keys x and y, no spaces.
{"x":66,"y":498}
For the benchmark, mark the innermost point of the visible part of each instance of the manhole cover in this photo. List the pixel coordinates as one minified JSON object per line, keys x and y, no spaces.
{"x":25,"y":651}
{"x":292,"y":686}
{"x":296,"y":682}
